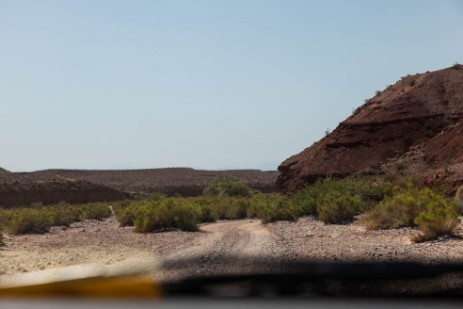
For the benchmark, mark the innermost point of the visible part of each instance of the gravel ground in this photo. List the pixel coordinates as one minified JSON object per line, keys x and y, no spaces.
{"x":309,"y":239}
{"x":92,"y":241}
{"x":221,"y":247}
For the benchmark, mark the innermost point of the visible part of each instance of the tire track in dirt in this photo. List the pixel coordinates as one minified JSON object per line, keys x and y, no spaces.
{"x":225,"y":247}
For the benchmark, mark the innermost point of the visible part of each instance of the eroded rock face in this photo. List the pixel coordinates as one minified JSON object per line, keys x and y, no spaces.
{"x":421,"y":110}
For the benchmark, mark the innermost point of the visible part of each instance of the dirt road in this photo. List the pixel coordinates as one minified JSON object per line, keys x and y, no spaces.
{"x":221,"y":247}
{"x":225,"y":247}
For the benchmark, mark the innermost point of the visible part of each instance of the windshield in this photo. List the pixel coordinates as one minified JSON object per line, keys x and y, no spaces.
{"x":311,"y":145}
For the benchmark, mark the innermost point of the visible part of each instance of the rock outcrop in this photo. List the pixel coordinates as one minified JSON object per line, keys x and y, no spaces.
{"x":413,"y":126}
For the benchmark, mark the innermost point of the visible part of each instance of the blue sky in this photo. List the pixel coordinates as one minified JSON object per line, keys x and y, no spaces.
{"x":203,"y":84}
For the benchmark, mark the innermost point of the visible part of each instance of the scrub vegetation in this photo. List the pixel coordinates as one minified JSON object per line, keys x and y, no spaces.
{"x":39,"y":218}
{"x":411,"y":206}
{"x":373,"y":201}
{"x":2,"y":242}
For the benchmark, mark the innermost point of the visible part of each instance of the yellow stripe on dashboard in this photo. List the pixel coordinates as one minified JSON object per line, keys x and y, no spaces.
{"x":96,"y":287}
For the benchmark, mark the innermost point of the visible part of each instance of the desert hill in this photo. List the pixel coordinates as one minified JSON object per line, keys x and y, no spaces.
{"x":52,"y":191}
{"x":171,"y":181}
{"x":80,"y":186}
{"x":413,"y":127}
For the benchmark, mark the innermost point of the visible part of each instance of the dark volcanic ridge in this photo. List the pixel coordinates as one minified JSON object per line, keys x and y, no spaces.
{"x":414,"y":127}
{"x":82,"y":186}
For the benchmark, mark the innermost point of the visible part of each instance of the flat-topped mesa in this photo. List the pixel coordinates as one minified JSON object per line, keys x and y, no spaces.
{"x":408,"y":113}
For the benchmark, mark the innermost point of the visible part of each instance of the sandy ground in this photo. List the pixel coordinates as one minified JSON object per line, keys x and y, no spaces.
{"x":210,"y":249}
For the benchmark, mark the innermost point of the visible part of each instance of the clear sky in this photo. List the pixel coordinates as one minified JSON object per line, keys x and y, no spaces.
{"x":202,"y":84}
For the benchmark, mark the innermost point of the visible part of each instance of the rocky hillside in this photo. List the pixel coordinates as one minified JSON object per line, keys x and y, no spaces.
{"x":412,"y":127}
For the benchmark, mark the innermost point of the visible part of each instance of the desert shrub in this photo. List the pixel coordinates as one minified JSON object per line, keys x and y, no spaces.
{"x":305,"y":201}
{"x":207,"y":212}
{"x":272,"y":207}
{"x":440,"y":218}
{"x":229,"y":208}
{"x":337,"y":200}
{"x":368,"y":188}
{"x":40,"y":218}
{"x":399,"y":210}
{"x":124,"y":213}
{"x":2,"y":241}
{"x":459,"y":200}
{"x":157,"y":196}
{"x":186,"y":216}
{"x":23,"y":221}
{"x":169,"y":213}
{"x":153,"y":216}
{"x":64,"y":214}
{"x":145,"y":220}
{"x":237,"y":208}
{"x":338,"y":208}
{"x":98,"y":211}
{"x":411,"y":206}
{"x":228,"y":186}
{"x":5,"y":216}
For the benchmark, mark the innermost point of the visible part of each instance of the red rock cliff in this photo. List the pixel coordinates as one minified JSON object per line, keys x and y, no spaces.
{"x":415,"y":111}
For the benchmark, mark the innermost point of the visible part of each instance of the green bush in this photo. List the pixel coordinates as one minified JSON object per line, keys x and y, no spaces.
{"x":207,"y":213}
{"x":338,"y":208}
{"x":338,"y":200}
{"x":440,"y":218}
{"x":237,"y":208}
{"x":64,"y":214}
{"x":169,"y":213}
{"x":186,"y":216}
{"x":40,"y":218}
{"x":305,"y":201}
{"x":229,"y":208}
{"x":410,"y":206}
{"x":97,"y":211}
{"x":271,"y":208}
{"x":228,"y":186}
{"x":2,"y":241}
{"x":23,"y":221}
{"x":124,"y":213}
{"x":399,"y":210}
{"x":459,"y":200}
